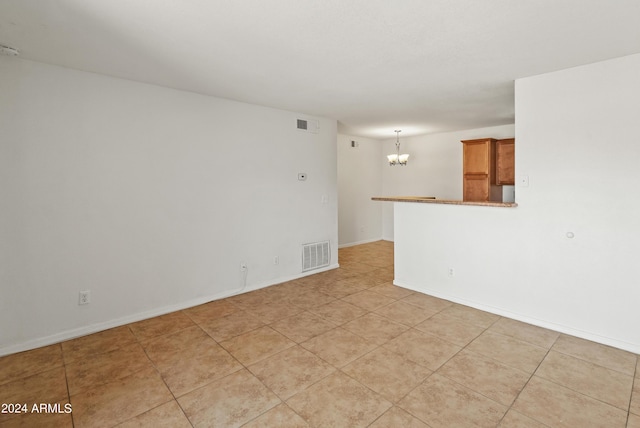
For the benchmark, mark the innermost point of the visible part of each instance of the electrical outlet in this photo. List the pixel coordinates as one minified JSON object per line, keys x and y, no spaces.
{"x":276,"y":260}
{"x":451,"y":272}
{"x":243,"y":266}
{"x":84,"y":297}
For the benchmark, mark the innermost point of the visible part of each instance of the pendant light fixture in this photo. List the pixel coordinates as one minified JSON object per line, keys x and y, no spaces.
{"x":397,"y":158}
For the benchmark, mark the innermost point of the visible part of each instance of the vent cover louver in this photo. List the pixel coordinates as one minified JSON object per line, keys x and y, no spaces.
{"x":305,"y":125}
{"x":315,"y":255}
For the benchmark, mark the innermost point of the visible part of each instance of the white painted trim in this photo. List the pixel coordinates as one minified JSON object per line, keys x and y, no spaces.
{"x":526,"y":319}
{"x":95,"y":328}
{"x":366,"y":241}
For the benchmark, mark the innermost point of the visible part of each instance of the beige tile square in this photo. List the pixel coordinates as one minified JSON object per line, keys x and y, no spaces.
{"x":231,"y":325}
{"x":165,"y":324}
{"x":471,"y":315}
{"x":338,"y":346}
{"x":106,"y":367}
{"x":440,"y":402}
{"x":252,"y":299}
{"x":357,"y":268}
{"x":379,"y":261}
{"x":486,"y":376}
{"x":395,"y":417}
{"x":286,"y":291}
{"x":638,"y":366}
{"x":289,"y":288}
{"x":189,"y":359}
{"x":279,"y":416}
{"x":256,"y":345}
{"x":164,"y":350}
{"x":166,"y":415}
{"x":514,"y":419}
{"x":375,"y":328}
{"x":597,"y":382}
{"x":274,"y":311}
{"x":633,"y":421}
{"x":427,"y":302}
{"x":526,"y":332}
{"x":368,"y":300}
{"x":387,"y":373}
{"x":28,"y":363}
{"x":45,"y":387}
{"x":557,"y":406}
{"x":405,"y":313}
{"x":211,"y":311}
{"x":339,"y":312}
{"x":603,"y":355}
{"x":422,"y":348}
{"x":291,"y":371}
{"x":310,"y":299}
{"x":120,"y":400}
{"x":353,"y":405}
{"x":512,"y":352}
{"x":302,"y":326}
{"x":366,"y":281}
{"x":340,"y":288}
{"x":328,"y":276}
{"x":382,"y":275}
{"x":228,"y":402}
{"x":450,"y":328}
{"x":97,"y":343}
{"x":393,"y":291}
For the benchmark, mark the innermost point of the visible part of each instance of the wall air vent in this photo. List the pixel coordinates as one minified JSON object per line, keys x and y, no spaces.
{"x":315,"y":255}
{"x":308,"y":125}
{"x":8,"y":50}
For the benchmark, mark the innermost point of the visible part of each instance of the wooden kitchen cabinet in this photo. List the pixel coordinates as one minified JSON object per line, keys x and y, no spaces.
{"x":505,"y":161}
{"x":479,"y":171}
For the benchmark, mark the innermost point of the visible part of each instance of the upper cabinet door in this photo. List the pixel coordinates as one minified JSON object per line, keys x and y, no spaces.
{"x":505,"y":161}
{"x":477,"y":156}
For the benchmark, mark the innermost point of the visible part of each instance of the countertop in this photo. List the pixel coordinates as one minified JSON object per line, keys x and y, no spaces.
{"x":433,"y":200}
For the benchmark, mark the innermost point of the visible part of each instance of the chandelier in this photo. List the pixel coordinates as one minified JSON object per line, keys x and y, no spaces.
{"x":397,"y":158}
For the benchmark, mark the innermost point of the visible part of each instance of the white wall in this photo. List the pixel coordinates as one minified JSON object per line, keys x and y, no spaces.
{"x":359,"y":179}
{"x":434,"y":167}
{"x":147,"y":196}
{"x":577,"y":140}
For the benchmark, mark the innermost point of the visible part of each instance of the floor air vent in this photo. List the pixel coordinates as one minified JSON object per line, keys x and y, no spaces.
{"x":315,"y":255}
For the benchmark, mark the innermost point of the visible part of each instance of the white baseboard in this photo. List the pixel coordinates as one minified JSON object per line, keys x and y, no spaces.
{"x":631,"y":347}
{"x":97,"y":327}
{"x":366,"y":241}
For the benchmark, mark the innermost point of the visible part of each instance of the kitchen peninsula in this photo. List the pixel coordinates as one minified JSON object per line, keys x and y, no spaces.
{"x":433,"y":200}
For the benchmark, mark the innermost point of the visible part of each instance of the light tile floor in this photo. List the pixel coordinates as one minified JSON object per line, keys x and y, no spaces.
{"x":343,"y":348}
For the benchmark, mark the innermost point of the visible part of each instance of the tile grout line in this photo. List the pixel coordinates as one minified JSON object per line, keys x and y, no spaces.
{"x":465,"y":348}
{"x":527,"y":383}
{"x":66,"y":380}
{"x":163,"y":381}
{"x":633,"y":384}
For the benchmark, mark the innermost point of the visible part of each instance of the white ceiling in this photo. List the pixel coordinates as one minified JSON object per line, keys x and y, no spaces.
{"x":422,"y":66}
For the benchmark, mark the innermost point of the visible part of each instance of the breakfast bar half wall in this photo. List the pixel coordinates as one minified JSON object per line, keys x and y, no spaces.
{"x":506,"y":262}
